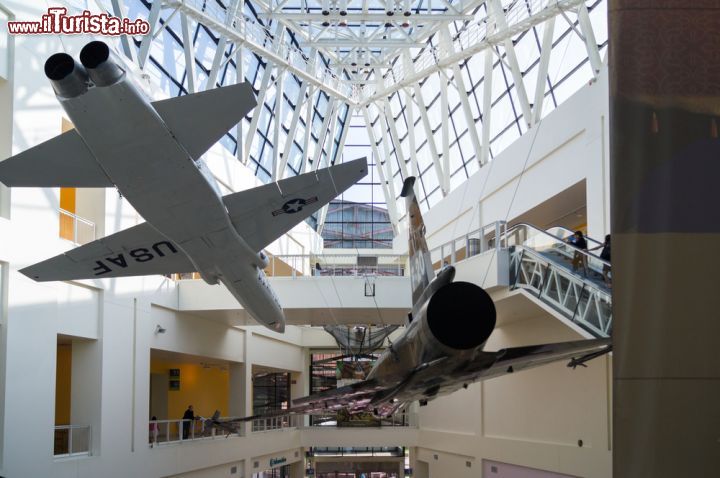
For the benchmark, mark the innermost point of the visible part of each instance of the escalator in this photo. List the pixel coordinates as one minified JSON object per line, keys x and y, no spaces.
{"x":541,"y":266}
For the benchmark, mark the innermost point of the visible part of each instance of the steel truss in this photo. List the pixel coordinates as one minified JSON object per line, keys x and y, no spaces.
{"x":361,"y":53}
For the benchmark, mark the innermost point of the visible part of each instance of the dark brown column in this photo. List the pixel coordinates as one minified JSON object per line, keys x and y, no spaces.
{"x":665,"y":189}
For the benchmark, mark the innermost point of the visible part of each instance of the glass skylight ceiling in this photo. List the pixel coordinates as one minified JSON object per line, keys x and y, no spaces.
{"x":418,"y":76}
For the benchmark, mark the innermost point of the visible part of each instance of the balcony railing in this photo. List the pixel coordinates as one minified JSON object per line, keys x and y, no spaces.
{"x":336,"y":265}
{"x":277,"y":423}
{"x":72,"y":440}
{"x":75,"y":228}
{"x":164,"y":432}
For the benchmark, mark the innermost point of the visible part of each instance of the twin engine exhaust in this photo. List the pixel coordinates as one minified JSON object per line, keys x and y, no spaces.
{"x":71,"y":79}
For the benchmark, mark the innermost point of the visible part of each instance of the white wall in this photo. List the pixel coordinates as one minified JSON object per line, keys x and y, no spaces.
{"x":534,"y":418}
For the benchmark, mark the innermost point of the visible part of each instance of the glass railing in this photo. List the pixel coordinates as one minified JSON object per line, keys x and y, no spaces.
{"x":72,"y":440}
{"x":558,"y":249}
{"x":394,"y":451}
{"x":336,"y":265}
{"x":277,"y":423}
{"x":473,"y":243}
{"x":75,"y":228}
{"x":163,"y":432}
{"x":362,"y":420}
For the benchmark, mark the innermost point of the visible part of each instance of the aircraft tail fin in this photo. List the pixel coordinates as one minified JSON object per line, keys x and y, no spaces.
{"x":215,"y":416}
{"x":421,"y":269}
{"x":200,"y":120}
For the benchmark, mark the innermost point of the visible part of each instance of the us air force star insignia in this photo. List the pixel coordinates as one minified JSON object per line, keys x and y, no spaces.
{"x":294,"y":205}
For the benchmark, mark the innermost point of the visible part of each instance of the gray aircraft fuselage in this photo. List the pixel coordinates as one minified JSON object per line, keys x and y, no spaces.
{"x":170,"y":190}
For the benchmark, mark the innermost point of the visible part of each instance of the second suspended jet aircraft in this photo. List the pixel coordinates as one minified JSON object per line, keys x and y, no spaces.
{"x":443,"y":347}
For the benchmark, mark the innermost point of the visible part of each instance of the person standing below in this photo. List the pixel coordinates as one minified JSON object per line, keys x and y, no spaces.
{"x":578,"y":240}
{"x":188,"y":415}
{"x":605,"y":256}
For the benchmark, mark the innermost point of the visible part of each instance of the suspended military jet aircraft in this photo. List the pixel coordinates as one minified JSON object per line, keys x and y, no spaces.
{"x":442,"y":349}
{"x":151,"y":151}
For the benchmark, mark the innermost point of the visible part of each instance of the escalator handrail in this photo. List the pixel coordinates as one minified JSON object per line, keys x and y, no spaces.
{"x":588,"y":238}
{"x":558,"y":239}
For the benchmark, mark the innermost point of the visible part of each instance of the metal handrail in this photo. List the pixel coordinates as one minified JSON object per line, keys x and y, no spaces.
{"x":571,"y":232}
{"x":557,"y":238}
{"x":70,"y":428}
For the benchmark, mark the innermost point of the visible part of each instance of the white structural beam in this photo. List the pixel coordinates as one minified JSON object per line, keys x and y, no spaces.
{"x":430,"y":137}
{"x":323,"y":133}
{"x":344,"y":43}
{"x":445,"y":134}
{"x":277,"y":122}
{"x":352,"y":18}
{"x":484,"y":42}
{"x":410,"y":118}
{"x":330,"y":137}
{"x":395,"y":139}
{"x":589,"y":37}
{"x":389,"y":174}
{"x":496,"y":10}
{"x":251,"y":37}
{"x":264,"y":84}
{"x":153,"y":18}
{"x":487,"y":107}
{"x":323,"y":211}
{"x":392,"y":208}
{"x":240,"y":77}
{"x":221,"y":46}
{"x":543,"y":65}
{"x":294,"y":121}
{"x":343,"y":136}
{"x":189,"y":48}
{"x":467,"y":111}
{"x":118,"y":7}
{"x":310,"y":105}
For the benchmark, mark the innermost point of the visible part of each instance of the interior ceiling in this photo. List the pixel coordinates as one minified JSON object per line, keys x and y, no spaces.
{"x":440,"y":88}
{"x":363,"y":38}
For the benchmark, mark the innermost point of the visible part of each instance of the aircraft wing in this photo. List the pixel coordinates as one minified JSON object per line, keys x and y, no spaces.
{"x":444,"y":375}
{"x":63,"y":161}
{"x":139,"y":250}
{"x":263,"y":214}
{"x":514,"y":359}
{"x":200,"y":120}
{"x":451,"y":373}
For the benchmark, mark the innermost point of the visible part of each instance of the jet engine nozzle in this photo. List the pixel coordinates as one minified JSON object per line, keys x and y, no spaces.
{"x":68,"y":77}
{"x":103,"y":69}
{"x":461,"y":315}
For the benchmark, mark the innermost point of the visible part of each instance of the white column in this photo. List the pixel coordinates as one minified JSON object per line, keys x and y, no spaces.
{"x":85,"y":391}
